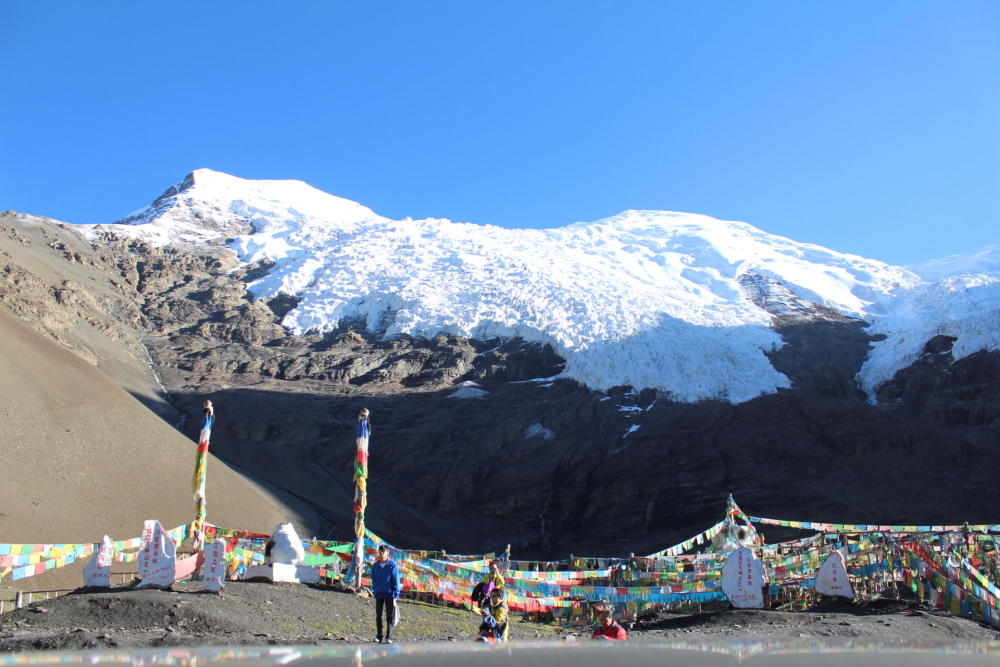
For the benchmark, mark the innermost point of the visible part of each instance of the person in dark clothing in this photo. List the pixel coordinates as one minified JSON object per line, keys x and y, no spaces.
{"x":386,"y":588}
{"x":487,"y":631}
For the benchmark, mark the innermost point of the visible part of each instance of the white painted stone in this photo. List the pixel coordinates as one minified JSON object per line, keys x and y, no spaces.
{"x":157,"y":558}
{"x":284,"y":572}
{"x":742,"y":579}
{"x":307,"y":574}
{"x":285,"y":559}
{"x":832,"y":577}
{"x":97,"y":573}
{"x":258,"y":571}
{"x":213,"y":576}
{"x":286,"y":547}
{"x":143,"y":562}
{"x":734,"y":536}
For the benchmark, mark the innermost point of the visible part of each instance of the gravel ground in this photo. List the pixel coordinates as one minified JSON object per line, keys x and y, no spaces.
{"x":247,"y":613}
{"x":887,"y":619}
{"x":261,"y":613}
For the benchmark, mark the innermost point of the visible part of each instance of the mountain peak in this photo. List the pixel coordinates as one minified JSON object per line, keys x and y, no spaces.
{"x":202,"y":177}
{"x":641,"y":298}
{"x":209,"y":205}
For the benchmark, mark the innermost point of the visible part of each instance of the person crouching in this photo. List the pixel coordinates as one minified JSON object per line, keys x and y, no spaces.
{"x":498,"y":610}
{"x":487,"y":631}
{"x":608,"y":628}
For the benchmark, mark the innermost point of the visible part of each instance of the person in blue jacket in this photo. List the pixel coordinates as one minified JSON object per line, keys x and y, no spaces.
{"x":386,"y":588}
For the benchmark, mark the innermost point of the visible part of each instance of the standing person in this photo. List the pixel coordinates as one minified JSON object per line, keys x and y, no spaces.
{"x":630,"y":569}
{"x":494,"y":576}
{"x":491,"y":582}
{"x":386,"y":588}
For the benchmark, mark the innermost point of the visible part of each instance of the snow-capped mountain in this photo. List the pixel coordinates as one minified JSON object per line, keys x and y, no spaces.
{"x":983,"y":261}
{"x":681,"y":302}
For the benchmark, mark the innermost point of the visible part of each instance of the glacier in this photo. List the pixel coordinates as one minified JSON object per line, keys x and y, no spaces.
{"x":642,"y":298}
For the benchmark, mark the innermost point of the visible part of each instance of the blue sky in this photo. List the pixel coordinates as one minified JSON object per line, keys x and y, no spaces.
{"x":868,"y":127}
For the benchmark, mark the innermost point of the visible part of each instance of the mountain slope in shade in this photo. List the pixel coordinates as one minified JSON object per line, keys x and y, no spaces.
{"x":645,"y":298}
{"x":81,"y":457}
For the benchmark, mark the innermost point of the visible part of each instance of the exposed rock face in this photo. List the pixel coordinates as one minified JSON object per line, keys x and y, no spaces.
{"x":823,"y":350}
{"x":958,"y":394}
{"x":218,"y":220}
{"x":549,"y":466}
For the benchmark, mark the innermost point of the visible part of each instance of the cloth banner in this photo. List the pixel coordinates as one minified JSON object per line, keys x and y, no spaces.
{"x":199,"y":478}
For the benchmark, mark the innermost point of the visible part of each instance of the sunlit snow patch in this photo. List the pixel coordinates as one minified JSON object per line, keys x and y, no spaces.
{"x":631,"y":429}
{"x":469,"y":389}
{"x":537,"y":429}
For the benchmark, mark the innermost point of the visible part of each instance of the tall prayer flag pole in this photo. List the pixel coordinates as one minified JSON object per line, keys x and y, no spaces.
{"x":198,"y":481}
{"x":360,"y":493}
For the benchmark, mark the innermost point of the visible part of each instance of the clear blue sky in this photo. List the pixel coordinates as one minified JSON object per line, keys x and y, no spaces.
{"x":870,"y":127}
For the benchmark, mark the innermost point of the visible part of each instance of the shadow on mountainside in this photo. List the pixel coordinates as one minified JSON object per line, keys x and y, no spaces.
{"x":554,"y":468}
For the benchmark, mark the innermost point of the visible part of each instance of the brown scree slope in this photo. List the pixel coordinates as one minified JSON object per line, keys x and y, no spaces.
{"x":82,"y":457}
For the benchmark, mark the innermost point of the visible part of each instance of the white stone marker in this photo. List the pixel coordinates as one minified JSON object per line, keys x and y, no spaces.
{"x":97,"y":573}
{"x":743,"y":579}
{"x":143,"y":562}
{"x":213,"y":573}
{"x":157,"y":558}
{"x":285,"y":559}
{"x":832,"y":577}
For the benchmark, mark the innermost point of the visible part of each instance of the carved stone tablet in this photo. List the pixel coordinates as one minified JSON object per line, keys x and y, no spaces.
{"x":213,"y":576}
{"x":832,"y":577}
{"x":97,"y":573}
{"x":158,"y":559}
{"x":743,"y":579}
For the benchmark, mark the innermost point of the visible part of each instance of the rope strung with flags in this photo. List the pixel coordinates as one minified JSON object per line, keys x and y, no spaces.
{"x":956,"y":570}
{"x":360,"y":491}
{"x":955,"y":567}
{"x":27,"y":560}
{"x":198,"y":480}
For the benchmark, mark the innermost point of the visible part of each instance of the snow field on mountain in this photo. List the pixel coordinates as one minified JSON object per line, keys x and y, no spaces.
{"x":614,"y":323}
{"x":643,"y":298}
{"x":985,"y":261}
{"x":966,"y":307}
